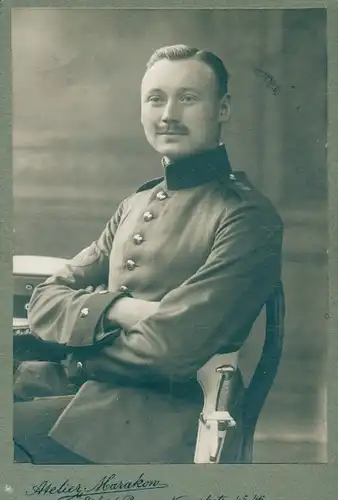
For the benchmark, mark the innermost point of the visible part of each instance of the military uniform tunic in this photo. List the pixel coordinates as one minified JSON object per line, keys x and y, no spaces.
{"x":204,"y":243}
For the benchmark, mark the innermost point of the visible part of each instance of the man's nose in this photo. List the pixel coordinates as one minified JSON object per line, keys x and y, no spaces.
{"x":170,"y":112}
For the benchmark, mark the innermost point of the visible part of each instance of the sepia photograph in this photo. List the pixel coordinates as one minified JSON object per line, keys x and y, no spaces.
{"x":170,"y":229}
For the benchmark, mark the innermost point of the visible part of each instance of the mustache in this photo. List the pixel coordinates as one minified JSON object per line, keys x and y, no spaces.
{"x":172,"y":129}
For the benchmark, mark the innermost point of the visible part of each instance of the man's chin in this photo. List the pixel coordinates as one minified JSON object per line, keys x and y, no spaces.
{"x":173,"y":152}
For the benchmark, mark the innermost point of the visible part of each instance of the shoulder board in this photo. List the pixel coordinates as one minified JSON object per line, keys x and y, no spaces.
{"x":247,"y":192}
{"x":150,"y":184}
{"x":240,"y":183}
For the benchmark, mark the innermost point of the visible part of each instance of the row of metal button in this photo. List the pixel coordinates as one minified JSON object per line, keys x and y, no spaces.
{"x":138,"y":238}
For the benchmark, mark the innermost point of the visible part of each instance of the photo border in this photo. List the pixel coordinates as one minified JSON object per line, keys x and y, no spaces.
{"x":273,"y":481}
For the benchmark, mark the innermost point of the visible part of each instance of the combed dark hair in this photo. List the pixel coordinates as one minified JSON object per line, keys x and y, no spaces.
{"x":181,"y":52}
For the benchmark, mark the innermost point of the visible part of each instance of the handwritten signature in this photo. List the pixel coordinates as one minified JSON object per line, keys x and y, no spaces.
{"x":107,"y":484}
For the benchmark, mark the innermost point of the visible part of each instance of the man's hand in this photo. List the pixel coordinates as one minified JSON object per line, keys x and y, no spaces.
{"x":127,"y":311}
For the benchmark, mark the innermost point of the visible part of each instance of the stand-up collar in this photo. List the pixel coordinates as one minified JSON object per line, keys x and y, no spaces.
{"x":197,"y":169}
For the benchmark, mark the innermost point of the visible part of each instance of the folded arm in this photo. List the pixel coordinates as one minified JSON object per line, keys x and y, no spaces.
{"x":210,"y":312}
{"x":62,"y":310}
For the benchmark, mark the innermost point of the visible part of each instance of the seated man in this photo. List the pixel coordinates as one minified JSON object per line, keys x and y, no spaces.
{"x":180,"y":272}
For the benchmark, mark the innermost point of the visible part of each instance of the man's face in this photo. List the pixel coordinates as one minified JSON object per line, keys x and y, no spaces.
{"x":181,"y":110}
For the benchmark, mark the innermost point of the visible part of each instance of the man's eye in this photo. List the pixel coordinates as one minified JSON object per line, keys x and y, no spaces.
{"x":155,"y":99}
{"x":188,"y":98}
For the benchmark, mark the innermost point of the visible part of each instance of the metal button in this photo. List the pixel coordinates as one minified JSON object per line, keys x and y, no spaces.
{"x":29,"y":287}
{"x":161,"y":195}
{"x":232,"y":177}
{"x":79,"y":365}
{"x":27,"y":306}
{"x":131,"y":264}
{"x":147,"y":216}
{"x":124,"y":288}
{"x":84,"y":312}
{"x":137,"y":239}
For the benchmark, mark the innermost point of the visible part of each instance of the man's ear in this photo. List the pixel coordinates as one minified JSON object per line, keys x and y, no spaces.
{"x":224,"y":108}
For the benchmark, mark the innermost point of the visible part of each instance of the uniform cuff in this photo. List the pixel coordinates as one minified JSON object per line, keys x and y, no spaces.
{"x":91,"y":313}
{"x":105,"y":330}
